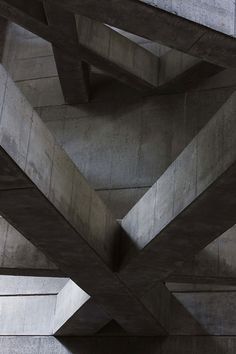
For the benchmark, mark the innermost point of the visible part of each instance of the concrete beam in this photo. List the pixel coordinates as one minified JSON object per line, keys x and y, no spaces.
{"x":215,"y":264}
{"x":179,"y":72}
{"x":160,"y":25}
{"x":108,"y":48}
{"x":27,"y":315}
{"x":39,"y":185}
{"x":73,"y":74}
{"x":21,"y":286}
{"x":105,"y":48}
{"x":190,"y":205}
{"x":19,"y":257}
{"x":117,"y":345}
{"x":125,"y":66}
{"x":76,"y":313}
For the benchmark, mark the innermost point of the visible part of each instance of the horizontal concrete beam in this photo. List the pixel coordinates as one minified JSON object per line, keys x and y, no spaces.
{"x":73,"y":74}
{"x":76,"y":313}
{"x":20,"y":285}
{"x":125,"y":67}
{"x":159,"y":25}
{"x":190,"y":205}
{"x":117,"y":345}
{"x":27,"y":315}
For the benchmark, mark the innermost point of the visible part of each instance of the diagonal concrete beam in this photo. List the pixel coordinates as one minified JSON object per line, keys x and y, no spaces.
{"x":126,"y":67}
{"x":46,"y":198}
{"x":159,"y":25}
{"x":19,"y":257}
{"x":76,"y":313}
{"x":73,"y":74}
{"x":213,"y":265}
{"x":43,"y":195}
{"x":179,"y":72}
{"x":190,"y":205}
{"x":108,"y":48}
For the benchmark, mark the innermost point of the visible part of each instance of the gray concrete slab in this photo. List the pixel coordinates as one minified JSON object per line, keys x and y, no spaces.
{"x":217,"y":15}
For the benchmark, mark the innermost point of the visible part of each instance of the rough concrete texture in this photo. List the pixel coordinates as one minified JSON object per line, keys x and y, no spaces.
{"x":162,"y":133}
{"x":79,"y":224}
{"x":195,"y":190}
{"x":18,"y":256}
{"x":27,"y":315}
{"x":219,"y":15}
{"x":76,"y":313}
{"x":11,"y":285}
{"x":164,"y":27}
{"x":172,"y":345}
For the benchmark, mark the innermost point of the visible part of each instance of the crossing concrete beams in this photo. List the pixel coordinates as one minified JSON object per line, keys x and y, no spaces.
{"x":159,"y":25}
{"x":142,"y":77}
{"x":39,"y":185}
{"x":188,"y":207}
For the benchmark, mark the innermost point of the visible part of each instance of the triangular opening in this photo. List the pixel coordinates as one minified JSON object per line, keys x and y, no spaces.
{"x":112,"y":328}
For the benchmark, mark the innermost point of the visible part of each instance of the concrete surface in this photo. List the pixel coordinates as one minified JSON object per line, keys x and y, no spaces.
{"x":172,"y":345}
{"x":53,"y":188}
{"x":163,"y":227}
{"x":164,"y":27}
{"x":76,"y":313}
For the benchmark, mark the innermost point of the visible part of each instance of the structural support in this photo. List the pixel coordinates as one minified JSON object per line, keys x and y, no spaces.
{"x":73,"y":73}
{"x":179,"y":72}
{"x":159,"y":25}
{"x":76,"y":313}
{"x":126,"y":67}
{"x":39,"y":185}
{"x":212,"y":265}
{"x":43,"y":195}
{"x":107,"y":50}
{"x":190,"y":205}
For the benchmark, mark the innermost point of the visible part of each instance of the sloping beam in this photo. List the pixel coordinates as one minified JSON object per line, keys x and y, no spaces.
{"x":45,"y":197}
{"x":179,"y":72}
{"x":107,"y":48}
{"x":125,"y":67}
{"x":159,"y":25}
{"x":76,"y":313}
{"x":216,"y":264}
{"x":190,"y":205}
{"x":73,"y":74}
{"x":19,"y":257}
